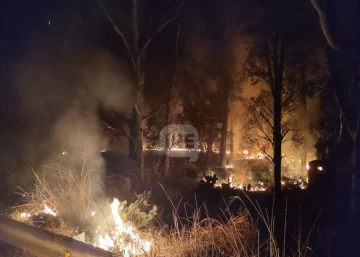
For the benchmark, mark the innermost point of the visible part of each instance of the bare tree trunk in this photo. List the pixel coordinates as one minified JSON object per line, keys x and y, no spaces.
{"x":136,"y":133}
{"x":278,"y":67}
{"x":137,"y":111}
{"x":209,"y":151}
{"x":338,"y":55}
{"x":277,"y":140}
{"x":169,"y":99}
{"x":355,"y":192}
{"x":278,"y":52}
{"x":137,"y":59}
{"x":304,"y":127}
{"x":232,"y":139}
{"x":223,"y":139}
{"x":227,"y":88}
{"x":355,"y":186}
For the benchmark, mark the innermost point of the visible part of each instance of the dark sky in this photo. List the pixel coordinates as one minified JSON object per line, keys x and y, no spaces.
{"x":20,"y":19}
{"x":24,"y":22}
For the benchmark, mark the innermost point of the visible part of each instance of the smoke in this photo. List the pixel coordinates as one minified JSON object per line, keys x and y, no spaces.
{"x":60,"y":83}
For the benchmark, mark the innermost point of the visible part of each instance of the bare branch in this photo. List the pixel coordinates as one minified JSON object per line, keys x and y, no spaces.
{"x":344,"y":117}
{"x":263,"y":150}
{"x":269,"y":68}
{"x":324,"y":25}
{"x":152,"y":113}
{"x":170,"y":20}
{"x":119,"y":32}
{"x":108,"y":126}
{"x":286,"y":131}
{"x":266,"y":119}
{"x":160,"y":28}
{"x":266,"y":138}
{"x":287,"y":101}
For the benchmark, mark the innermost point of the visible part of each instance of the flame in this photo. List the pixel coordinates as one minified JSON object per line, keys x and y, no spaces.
{"x":229,"y":166}
{"x":48,"y":210}
{"x":25,"y":215}
{"x":123,"y":236}
{"x":255,"y":156}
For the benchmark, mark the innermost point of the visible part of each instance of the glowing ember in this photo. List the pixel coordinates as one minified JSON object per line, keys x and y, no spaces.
{"x":229,"y":166}
{"x":25,"y":215}
{"x":123,"y":236}
{"x":255,"y":156}
{"x":48,"y":210}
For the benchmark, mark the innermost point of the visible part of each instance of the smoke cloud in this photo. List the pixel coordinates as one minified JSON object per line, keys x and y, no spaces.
{"x":60,"y":83}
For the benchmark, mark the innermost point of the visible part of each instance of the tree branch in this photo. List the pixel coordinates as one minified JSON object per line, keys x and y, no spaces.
{"x":108,"y":126}
{"x":286,"y":131}
{"x":263,"y":150}
{"x":152,"y":113}
{"x":266,"y":120}
{"x":119,"y":32}
{"x":160,"y":28}
{"x":324,"y":25}
{"x":269,"y":70}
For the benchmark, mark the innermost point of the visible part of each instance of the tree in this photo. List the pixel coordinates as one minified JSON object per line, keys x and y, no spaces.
{"x":274,"y":35}
{"x":199,"y":96}
{"x":340,"y":29}
{"x":169,"y":95}
{"x":307,"y":60}
{"x":279,"y":41}
{"x":226,"y":84}
{"x":136,"y":48}
{"x":266,"y":62}
{"x":259,"y":121}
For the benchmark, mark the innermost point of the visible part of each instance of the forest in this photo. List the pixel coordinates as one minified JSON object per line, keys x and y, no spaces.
{"x":180,"y":128}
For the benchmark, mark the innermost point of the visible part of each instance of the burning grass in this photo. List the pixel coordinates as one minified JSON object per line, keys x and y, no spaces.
{"x":63,"y":202}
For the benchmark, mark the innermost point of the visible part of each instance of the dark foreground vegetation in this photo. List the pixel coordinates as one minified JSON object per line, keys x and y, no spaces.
{"x":311,"y":221}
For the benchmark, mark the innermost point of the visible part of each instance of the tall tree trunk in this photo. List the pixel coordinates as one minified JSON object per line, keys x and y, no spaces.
{"x":224,"y":131}
{"x":278,"y":53}
{"x":232,"y":139}
{"x":341,"y":81}
{"x":209,"y":151}
{"x":226,"y":86}
{"x":277,"y":140}
{"x":355,"y":187}
{"x":169,"y":96}
{"x":304,"y":125}
{"x":136,"y":146}
{"x":278,"y":68}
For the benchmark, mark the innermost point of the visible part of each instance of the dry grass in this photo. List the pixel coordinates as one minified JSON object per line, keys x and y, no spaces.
{"x":69,"y":193}
{"x":207,"y":237}
{"x":65,"y":189}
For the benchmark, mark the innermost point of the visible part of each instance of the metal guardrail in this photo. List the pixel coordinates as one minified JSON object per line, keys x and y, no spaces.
{"x":43,"y":243}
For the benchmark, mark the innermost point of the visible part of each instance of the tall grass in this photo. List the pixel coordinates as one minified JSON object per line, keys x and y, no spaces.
{"x":69,"y":193}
